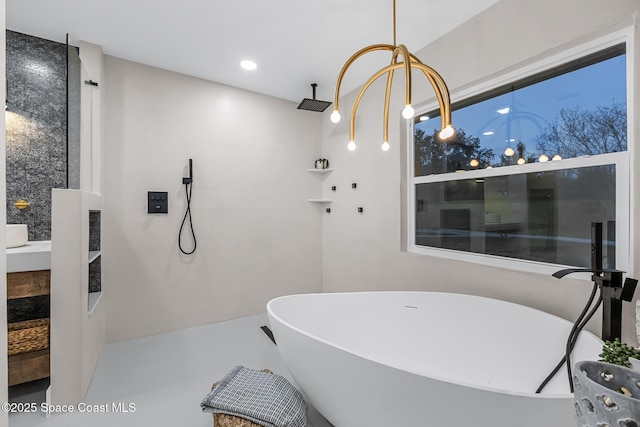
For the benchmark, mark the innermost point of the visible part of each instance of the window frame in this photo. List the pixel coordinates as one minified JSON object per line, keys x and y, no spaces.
{"x":622,"y":160}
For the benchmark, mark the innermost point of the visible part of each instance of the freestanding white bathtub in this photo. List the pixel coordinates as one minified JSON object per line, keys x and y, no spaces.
{"x":426,"y":359}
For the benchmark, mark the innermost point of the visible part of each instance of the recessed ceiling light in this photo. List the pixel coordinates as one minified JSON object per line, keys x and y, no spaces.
{"x":424,"y":118}
{"x":504,"y":110}
{"x":248,"y":64}
{"x":488,"y":133}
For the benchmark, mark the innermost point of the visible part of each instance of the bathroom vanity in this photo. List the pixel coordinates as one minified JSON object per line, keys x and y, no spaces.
{"x":28,"y":290}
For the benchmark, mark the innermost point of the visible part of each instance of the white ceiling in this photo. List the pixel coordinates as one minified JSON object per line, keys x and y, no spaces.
{"x":294,"y":42}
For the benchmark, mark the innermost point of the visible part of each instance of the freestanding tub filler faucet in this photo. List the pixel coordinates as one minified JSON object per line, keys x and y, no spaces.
{"x":613,"y":290}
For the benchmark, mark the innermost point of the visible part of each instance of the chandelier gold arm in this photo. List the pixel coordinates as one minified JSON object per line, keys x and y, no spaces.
{"x":406,"y":56}
{"x":387,"y":96}
{"x":436,"y":81}
{"x":442,"y":94}
{"x":350,"y":61}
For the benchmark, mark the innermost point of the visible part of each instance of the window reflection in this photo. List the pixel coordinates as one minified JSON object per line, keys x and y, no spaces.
{"x":541,"y":216}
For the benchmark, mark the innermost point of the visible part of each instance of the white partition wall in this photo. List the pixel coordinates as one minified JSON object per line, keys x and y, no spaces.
{"x":77,"y":327}
{"x":4,"y":420}
{"x":91,"y":121}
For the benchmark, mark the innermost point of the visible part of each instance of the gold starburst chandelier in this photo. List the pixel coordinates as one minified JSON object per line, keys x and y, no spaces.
{"x":408,"y":62}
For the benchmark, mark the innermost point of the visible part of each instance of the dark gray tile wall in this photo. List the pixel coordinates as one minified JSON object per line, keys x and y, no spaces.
{"x":94,"y":230}
{"x":95,"y":276}
{"x":36,"y":129}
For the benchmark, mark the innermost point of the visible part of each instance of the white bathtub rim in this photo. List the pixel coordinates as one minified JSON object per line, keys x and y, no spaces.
{"x":405,"y":369}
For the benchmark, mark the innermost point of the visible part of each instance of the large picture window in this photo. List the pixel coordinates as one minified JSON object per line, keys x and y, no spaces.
{"x":534,"y":162}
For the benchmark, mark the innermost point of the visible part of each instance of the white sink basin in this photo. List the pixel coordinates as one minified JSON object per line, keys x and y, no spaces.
{"x":16,"y":235}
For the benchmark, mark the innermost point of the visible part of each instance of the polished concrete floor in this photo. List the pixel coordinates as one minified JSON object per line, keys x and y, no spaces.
{"x":162,"y":379}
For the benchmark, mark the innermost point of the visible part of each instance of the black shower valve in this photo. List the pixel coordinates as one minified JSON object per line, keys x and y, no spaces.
{"x":157,"y":202}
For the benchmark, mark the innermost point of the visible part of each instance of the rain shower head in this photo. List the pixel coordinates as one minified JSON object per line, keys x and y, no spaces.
{"x":313,"y":104}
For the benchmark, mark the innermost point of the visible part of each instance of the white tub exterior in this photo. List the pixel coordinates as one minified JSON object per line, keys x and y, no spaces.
{"x":426,"y":358}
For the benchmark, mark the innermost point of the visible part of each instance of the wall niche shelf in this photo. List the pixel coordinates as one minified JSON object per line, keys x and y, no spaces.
{"x":321,"y":172}
{"x":327,"y":170}
{"x":95,"y":264}
{"x":93,"y":255}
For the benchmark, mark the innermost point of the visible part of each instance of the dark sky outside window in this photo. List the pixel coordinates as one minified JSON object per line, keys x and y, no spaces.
{"x":528,"y":111}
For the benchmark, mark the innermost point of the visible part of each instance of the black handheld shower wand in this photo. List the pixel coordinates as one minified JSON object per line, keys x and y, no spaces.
{"x":189,"y":179}
{"x":188,"y":186}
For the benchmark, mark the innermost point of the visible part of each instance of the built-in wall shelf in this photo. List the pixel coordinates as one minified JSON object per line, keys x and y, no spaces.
{"x":94,"y":298}
{"x":93,"y":255}
{"x":320,"y":172}
{"x":95,"y":260}
{"x":327,"y":170}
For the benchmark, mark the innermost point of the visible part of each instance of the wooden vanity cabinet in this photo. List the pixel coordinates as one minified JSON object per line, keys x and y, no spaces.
{"x":28,"y":341}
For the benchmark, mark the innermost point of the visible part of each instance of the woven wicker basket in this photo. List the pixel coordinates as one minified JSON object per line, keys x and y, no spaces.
{"x":30,"y":335}
{"x":224,"y":420}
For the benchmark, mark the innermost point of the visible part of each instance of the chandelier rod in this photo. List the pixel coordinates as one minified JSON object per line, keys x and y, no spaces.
{"x":394,"y":23}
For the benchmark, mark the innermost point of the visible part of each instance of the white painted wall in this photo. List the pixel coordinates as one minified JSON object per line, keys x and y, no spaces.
{"x":363,"y":251}
{"x":257,"y":236}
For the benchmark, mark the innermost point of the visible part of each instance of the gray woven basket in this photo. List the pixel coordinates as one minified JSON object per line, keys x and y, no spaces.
{"x":606,"y":395}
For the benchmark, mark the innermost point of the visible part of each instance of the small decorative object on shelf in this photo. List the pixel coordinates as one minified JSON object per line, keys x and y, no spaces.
{"x":322,"y":164}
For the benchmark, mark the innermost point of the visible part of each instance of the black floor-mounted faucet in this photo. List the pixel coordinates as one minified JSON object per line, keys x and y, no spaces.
{"x":614,"y":291}
{"x":609,"y":281}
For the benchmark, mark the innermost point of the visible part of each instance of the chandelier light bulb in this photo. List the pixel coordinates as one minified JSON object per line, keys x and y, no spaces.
{"x":521,"y":161}
{"x":351,"y":146}
{"x":543,"y":158}
{"x":473,"y":163}
{"x":556,"y":157}
{"x":408,"y":112}
{"x":335,"y":116}
{"x":385,"y":146}
{"x":447,"y":132}
{"x":509,"y":152}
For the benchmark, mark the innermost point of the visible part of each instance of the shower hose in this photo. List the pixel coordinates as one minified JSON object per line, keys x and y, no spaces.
{"x":188,"y":186}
